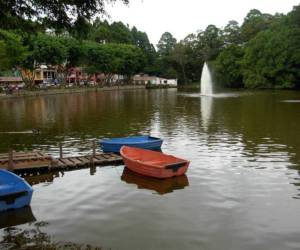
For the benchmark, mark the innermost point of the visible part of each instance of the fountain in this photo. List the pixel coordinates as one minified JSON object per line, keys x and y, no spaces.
{"x":206,"y":95}
{"x":207,"y":90}
{"x":206,"y":81}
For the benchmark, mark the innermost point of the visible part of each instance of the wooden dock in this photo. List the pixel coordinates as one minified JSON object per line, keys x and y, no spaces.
{"x":36,"y":160}
{"x":23,"y":160}
{"x":99,"y":159}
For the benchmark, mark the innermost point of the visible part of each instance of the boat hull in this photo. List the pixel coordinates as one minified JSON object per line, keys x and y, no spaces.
{"x":14,"y":191}
{"x":154,"y":164}
{"x":146,"y":142}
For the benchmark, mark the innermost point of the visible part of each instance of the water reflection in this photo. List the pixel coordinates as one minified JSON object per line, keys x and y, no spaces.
{"x":206,"y":110}
{"x":16,"y":217}
{"x":245,"y":162}
{"x":291,"y":101}
{"x":60,"y":118}
{"x":34,"y":238}
{"x":160,"y":186}
{"x":37,"y":178}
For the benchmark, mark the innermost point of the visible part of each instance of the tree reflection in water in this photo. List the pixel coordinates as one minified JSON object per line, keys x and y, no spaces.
{"x":34,"y":239}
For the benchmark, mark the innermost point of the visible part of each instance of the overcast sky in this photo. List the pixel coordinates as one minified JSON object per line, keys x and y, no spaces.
{"x":182,"y":17}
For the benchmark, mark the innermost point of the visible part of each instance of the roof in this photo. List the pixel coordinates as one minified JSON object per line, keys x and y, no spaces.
{"x":144,"y":78}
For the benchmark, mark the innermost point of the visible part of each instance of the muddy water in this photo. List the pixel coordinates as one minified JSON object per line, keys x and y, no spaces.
{"x":241,"y":191}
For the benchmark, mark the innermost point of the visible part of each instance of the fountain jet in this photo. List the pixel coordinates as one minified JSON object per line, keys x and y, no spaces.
{"x":206,"y":81}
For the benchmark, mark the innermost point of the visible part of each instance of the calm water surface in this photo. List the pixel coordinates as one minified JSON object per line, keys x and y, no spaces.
{"x":242,"y":190}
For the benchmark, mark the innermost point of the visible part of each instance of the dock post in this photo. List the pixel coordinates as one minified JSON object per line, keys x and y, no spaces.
{"x":10,"y":160}
{"x":94,"y":152}
{"x":94,"y":148}
{"x":93,"y":170}
{"x":60,"y":151}
{"x":92,"y":166}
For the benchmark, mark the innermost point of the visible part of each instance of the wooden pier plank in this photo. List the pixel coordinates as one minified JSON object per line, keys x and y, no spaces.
{"x":35,"y":160}
{"x":75,"y":161}
{"x":60,"y":163}
{"x":105,"y":155}
{"x":99,"y":158}
{"x":83,"y":160}
{"x":67,"y":162}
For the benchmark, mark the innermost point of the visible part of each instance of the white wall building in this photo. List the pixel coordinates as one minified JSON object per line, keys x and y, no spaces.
{"x":145,"y":79}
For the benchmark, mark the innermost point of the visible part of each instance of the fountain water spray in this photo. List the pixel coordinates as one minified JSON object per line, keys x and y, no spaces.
{"x":206,"y":81}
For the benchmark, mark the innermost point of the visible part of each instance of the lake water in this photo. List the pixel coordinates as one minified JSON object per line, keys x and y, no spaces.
{"x":242,"y":190}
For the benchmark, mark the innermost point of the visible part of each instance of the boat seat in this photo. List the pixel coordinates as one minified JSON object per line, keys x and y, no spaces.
{"x":11,"y":198}
{"x":175,"y":166}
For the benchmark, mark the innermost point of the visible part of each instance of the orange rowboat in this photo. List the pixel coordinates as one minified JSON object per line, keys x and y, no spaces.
{"x":152,"y":163}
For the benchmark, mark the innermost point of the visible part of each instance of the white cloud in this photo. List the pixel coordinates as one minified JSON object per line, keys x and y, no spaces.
{"x":184,"y":17}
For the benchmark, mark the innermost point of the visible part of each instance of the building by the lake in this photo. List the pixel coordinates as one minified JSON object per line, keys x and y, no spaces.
{"x":143,"y":79}
{"x":53,"y":75}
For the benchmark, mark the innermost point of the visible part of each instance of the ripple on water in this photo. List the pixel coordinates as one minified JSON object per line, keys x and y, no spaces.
{"x":291,"y":101}
{"x":241,"y":190}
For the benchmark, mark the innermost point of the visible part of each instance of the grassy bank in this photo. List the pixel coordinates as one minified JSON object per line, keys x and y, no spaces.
{"x":159,"y":86}
{"x":190,"y":86}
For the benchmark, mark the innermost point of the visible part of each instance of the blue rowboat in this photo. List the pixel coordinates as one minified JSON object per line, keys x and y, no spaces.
{"x":14,"y":191}
{"x":146,"y":142}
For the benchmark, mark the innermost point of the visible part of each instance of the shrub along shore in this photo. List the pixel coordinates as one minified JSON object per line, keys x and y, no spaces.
{"x":55,"y":91}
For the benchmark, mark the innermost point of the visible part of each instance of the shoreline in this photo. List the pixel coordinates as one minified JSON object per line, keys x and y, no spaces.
{"x":31,"y":93}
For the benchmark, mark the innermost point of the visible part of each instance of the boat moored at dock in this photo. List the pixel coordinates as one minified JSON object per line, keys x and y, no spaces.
{"x":14,"y":191}
{"x":151,"y":163}
{"x":146,"y":142}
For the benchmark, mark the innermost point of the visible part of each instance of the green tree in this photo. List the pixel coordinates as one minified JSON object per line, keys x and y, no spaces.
{"x":255,"y":22}
{"x":228,"y":67}
{"x":294,"y":16}
{"x":117,"y":32}
{"x":141,"y":40}
{"x":12,"y":50}
{"x":195,"y":58}
{"x":166,"y":44}
{"x":123,"y":59}
{"x":232,"y":33}
{"x":100,"y":31}
{"x":272,"y":58}
{"x":80,"y":29}
{"x":74,"y":51}
{"x":49,"y":49}
{"x":164,"y":61}
{"x":59,"y":15}
{"x":179,"y":57}
{"x":210,"y":42}
{"x":43,"y":49}
{"x":120,"y":33}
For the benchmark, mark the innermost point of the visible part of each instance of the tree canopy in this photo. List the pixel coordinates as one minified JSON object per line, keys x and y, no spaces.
{"x":261,"y":52}
{"x":12,"y":50}
{"x":166,"y":44}
{"x":59,"y":15}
